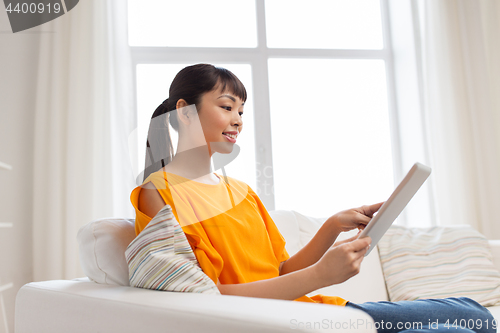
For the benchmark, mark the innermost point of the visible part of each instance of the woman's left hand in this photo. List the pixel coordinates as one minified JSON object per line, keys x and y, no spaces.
{"x":354,"y":218}
{"x":347,"y":240}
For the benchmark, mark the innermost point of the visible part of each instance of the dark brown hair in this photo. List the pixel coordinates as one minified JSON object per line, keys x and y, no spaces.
{"x":189,"y":84}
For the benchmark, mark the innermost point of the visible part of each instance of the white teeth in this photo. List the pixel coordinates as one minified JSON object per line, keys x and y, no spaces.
{"x":230,"y":135}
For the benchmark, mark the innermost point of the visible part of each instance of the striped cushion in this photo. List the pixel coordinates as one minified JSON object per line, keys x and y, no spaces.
{"x":438,"y":262}
{"x":161,"y":258}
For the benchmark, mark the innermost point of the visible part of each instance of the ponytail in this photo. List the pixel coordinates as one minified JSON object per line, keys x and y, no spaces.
{"x":159,"y":148}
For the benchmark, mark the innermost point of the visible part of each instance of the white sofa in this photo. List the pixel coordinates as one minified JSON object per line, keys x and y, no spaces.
{"x":81,"y":305}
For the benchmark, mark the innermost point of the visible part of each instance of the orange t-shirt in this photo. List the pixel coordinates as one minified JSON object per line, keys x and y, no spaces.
{"x":230,"y":231}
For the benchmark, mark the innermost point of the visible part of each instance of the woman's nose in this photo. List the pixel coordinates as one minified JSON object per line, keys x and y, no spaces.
{"x":238,"y":121}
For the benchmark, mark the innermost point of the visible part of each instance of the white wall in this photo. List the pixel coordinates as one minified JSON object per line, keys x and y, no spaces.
{"x":18,"y":69}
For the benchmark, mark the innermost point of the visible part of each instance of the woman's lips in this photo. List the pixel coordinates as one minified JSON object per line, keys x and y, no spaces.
{"x":229,"y":139}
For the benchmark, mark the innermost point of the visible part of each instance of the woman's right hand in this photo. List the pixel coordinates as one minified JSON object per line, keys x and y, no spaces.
{"x":341,"y":262}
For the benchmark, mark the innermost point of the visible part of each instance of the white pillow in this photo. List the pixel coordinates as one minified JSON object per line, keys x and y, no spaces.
{"x":439,"y":262}
{"x":102,"y":244}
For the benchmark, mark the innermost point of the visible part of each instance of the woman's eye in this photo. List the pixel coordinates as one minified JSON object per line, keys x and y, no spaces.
{"x":228,"y":108}
{"x":241,"y":114}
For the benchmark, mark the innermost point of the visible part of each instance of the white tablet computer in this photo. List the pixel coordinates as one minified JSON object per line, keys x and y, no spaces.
{"x":398,"y":200}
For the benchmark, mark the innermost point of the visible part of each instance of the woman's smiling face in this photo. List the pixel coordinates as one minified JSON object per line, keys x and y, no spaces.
{"x":221,"y":112}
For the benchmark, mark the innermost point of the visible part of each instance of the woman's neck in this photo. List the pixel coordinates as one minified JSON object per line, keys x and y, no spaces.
{"x":194,"y":163}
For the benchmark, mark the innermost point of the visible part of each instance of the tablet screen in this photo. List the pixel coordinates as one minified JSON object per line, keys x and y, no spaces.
{"x":398,"y":200}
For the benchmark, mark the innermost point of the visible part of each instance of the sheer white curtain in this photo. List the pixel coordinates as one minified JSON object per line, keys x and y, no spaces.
{"x":83,"y":116}
{"x":459,"y":59}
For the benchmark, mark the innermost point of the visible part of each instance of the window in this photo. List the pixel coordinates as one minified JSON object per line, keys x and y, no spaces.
{"x":192,"y":23}
{"x":319,"y":133}
{"x":320,"y":24}
{"x":330,"y":133}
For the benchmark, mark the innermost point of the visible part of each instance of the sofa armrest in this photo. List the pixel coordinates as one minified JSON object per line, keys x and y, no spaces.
{"x":495,"y":251}
{"x":81,"y":306}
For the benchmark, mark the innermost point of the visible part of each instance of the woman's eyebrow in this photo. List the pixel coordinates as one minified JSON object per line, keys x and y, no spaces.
{"x":230,"y":97}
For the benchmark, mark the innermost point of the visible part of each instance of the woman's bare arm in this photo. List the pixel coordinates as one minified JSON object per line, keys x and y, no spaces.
{"x":336,"y":266}
{"x":150,"y":201}
{"x":314,"y":249}
{"x":287,"y":287}
{"x":325,"y":237}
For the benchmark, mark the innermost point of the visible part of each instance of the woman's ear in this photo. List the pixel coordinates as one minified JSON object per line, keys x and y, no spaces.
{"x":182,"y":111}
{"x":181,"y":103}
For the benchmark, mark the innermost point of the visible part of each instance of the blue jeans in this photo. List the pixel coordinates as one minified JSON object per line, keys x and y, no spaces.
{"x":450,"y":315}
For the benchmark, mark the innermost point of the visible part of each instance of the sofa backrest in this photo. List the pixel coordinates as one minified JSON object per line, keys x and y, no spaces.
{"x":103,"y":243}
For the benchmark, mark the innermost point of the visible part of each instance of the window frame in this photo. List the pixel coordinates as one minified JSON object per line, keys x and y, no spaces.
{"x":258,"y":59}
